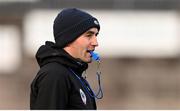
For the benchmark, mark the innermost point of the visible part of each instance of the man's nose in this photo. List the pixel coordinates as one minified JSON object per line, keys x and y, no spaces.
{"x":94,"y":41}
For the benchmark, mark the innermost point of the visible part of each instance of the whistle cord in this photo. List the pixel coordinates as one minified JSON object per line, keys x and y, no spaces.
{"x":87,"y":87}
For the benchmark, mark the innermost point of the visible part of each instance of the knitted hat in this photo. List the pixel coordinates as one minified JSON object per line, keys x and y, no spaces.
{"x":70,"y":23}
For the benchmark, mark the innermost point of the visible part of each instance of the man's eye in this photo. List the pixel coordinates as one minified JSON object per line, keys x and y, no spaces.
{"x":89,"y":35}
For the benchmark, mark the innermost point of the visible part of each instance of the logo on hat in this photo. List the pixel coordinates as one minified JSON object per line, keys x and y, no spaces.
{"x":96,"y":22}
{"x":83,"y":96}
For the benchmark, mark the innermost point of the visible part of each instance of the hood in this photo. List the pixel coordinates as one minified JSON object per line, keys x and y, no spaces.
{"x":51,"y":53}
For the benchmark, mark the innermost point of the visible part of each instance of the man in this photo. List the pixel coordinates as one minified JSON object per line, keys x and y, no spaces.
{"x":59,"y":83}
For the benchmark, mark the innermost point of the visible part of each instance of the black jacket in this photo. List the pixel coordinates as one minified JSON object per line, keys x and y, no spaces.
{"x":55,"y":85}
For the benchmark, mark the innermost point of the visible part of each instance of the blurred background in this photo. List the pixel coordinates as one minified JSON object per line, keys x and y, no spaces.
{"x":139,"y":45}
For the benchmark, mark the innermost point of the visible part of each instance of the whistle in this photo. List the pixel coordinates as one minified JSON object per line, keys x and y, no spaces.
{"x":95,"y":56}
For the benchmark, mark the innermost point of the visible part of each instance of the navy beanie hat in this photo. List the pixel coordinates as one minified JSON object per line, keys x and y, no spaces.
{"x":70,"y":23}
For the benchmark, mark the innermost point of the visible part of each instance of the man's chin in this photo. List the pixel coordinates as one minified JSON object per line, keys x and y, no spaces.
{"x":88,"y":61}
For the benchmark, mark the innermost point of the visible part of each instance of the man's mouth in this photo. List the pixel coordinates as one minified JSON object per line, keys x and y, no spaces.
{"x":90,"y":51}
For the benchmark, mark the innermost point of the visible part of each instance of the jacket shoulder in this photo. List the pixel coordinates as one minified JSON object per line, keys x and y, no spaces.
{"x":54,"y":69}
{"x":52,"y":73}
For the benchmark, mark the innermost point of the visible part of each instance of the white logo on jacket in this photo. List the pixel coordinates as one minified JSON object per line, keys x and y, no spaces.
{"x":83,"y":96}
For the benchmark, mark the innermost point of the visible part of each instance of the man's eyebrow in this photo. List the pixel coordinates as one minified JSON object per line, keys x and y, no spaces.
{"x":92,"y":32}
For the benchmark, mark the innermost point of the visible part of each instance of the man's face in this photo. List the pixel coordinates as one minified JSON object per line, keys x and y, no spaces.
{"x":81,"y":47}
